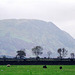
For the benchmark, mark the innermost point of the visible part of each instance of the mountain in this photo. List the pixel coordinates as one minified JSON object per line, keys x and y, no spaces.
{"x":16,"y":34}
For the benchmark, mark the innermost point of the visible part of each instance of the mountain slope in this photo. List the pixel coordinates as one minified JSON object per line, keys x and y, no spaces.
{"x":16,"y":34}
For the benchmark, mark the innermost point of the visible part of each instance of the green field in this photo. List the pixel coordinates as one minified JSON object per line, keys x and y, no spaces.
{"x":37,"y":70}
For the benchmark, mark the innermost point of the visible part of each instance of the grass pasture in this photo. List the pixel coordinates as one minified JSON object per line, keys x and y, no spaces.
{"x":37,"y":70}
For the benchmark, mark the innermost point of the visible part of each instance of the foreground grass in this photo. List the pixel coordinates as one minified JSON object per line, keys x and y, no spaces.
{"x":37,"y":70}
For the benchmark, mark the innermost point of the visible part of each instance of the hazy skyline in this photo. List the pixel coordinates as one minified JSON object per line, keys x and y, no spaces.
{"x":60,"y":12}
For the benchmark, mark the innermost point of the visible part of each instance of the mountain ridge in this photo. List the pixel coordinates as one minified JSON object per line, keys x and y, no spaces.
{"x":33,"y":32}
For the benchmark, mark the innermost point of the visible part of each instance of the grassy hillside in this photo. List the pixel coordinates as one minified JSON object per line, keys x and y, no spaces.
{"x":37,"y":70}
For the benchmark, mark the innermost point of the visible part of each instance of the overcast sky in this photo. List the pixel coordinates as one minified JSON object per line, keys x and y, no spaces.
{"x":60,"y":12}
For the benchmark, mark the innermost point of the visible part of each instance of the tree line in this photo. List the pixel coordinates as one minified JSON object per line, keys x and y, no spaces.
{"x":38,"y":50}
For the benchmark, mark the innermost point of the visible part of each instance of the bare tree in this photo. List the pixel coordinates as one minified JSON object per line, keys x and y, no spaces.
{"x":49,"y":54}
{"x":37,"y":51}
{"x":62,"y":52}
{"x":72,"y":55}
{"x":21,"y":53}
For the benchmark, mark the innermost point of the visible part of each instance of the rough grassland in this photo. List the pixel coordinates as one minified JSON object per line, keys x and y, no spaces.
{"x":37,"y":70}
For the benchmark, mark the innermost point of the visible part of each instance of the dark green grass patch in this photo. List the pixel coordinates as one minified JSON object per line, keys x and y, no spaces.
{"x":37,"y":70}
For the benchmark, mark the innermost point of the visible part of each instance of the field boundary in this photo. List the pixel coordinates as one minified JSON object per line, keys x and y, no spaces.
{"x":37,"y":62}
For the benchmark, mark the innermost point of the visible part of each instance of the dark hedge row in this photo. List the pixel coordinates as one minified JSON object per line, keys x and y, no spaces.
{"x":37,"y":62}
